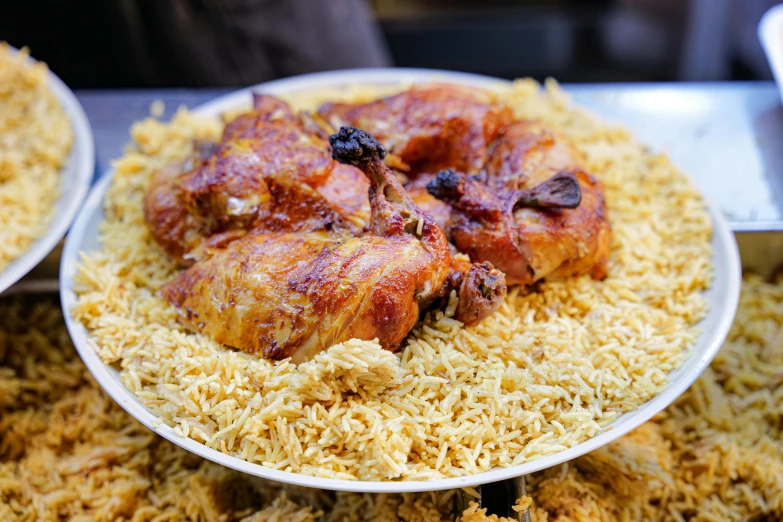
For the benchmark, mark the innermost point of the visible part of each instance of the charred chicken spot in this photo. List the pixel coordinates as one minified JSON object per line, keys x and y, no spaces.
{"x":352,"y":146}
{"x":560,"y":191}
{"x":481,"y":292}
{"x":204,"y":149}
{"x":447,"y":186}
{"x":272,"y":349}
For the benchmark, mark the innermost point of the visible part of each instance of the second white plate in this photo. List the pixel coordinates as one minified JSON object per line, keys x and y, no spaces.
{"x":75,"y":180}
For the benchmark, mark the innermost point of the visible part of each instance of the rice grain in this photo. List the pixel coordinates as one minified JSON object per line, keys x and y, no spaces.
{"x":35,"y":139}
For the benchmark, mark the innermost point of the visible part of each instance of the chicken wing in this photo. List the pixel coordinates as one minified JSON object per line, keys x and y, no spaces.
{"x":294,"y":294}
{"x":533,"y":213}
{"x":431,"y":127}
{"x":228,"y":192}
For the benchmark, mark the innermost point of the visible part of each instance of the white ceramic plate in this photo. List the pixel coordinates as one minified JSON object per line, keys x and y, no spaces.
{"x":75,"y":180}
{"x":770,"y":33}
{"x":723,"y":297}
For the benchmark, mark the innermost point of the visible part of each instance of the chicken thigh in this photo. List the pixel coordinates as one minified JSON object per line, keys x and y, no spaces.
{"x":294,"y":294}
{"x":465,"y":130}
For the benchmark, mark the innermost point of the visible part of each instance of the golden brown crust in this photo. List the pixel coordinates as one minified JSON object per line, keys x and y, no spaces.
{"x":429,"y":128}
{"x":292,"y":294}
{"x":493,"y":220}
{"x":302,"y":243}
{"x":439,"y":210}
{"x":461,"y":128}
{"x":230,"y":189}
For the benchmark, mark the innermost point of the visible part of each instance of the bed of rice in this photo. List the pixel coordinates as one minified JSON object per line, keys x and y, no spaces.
{"x":549,"y":370}
{"x":35,"y":138}
{"x":67,"y":452}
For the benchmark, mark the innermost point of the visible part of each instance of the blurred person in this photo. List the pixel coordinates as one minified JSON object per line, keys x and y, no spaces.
{"x":124,"y":43}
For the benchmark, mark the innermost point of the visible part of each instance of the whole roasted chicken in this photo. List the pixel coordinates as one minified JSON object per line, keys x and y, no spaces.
{"x":290,"y":290}
{"x":508,"y":192}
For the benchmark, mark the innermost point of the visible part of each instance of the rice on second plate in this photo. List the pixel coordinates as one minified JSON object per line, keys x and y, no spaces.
{"x":35,"y":138}
{"x":547,"y":371}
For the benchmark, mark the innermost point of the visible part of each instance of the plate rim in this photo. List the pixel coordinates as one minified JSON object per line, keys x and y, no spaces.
{"x":81,"y":158}
{"x":721,"y":235}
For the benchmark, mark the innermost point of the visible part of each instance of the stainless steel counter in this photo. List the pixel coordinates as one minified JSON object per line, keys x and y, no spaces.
{"x":727,"y":136}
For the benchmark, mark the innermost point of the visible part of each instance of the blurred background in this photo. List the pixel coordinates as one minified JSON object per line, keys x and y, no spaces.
{"x":188,"y":43}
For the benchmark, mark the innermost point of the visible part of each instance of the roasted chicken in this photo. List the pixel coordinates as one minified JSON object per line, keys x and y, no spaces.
{"x":292,"y":294}
{"x":229,"y":191}
{"x":532,"y":212}
{"x":297,"y":240}
{"x":490,"y":165}
{"x":429,"y":128}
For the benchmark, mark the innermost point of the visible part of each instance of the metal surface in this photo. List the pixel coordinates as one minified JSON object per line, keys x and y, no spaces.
{"x":728,"y":137}
{"x":519,"y":485}
{"x":463,"y":498}
{"x":761,"y":253}
{"x":112,"y":112}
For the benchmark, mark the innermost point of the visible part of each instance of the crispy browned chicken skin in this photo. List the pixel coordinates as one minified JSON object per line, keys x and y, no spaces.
{"x":533,"y":212}
{"x":272,"y":173}
{"x":463,"y":130}
{"x":292,"y":257}
{"x":429,"y":128}
{"x":230,"y":191}
{"x":294,"y":294}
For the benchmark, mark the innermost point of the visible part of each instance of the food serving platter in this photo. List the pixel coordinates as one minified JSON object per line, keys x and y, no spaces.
{"x":75,"y":179}
{"x":722,"y":296}
{"x":770,"y":33}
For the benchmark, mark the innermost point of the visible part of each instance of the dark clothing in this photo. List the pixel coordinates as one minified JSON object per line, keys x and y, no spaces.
{"x":99,"y":43}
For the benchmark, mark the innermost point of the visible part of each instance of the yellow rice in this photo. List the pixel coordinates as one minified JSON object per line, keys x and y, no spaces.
{"x":69,"y":453}
{"x":549,"y":370}
{"x":715,"y":455}
{"x":35,"y":138}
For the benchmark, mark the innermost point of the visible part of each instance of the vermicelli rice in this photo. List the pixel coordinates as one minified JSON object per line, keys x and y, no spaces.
{"x":35,"y":138}
{"x":67,"y":452}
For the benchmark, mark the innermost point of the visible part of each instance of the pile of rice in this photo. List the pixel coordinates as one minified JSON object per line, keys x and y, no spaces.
{"x":35,"y":138}
{"x":715,"y":455}
{"x":549,"y":370}
{"x":67,"y":452}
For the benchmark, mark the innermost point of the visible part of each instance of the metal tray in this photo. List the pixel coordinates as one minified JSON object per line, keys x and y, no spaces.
{"x":728,"y":137}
